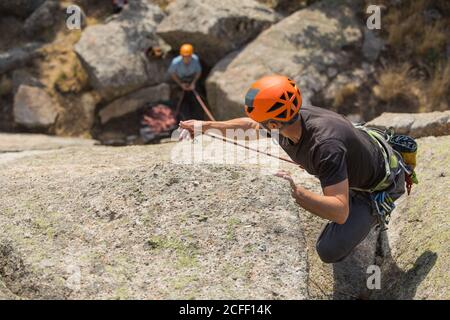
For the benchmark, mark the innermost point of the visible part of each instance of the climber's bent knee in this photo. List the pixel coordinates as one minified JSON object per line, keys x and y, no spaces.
{"x":329,"y":252}
{"x":337,"y":241}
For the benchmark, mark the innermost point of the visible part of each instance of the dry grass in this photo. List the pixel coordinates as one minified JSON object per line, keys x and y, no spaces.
{"x":414,"y":35}
{"x":60,"y":67}
{"x":409,"y":32}
{"x":72,"y":77}
{"x":438,"y":89}
{"x":418,"y":67}
{"x":162,"y":3}
{"x":347,"y":91}
{"x":434,"y":38}
{"x":398,"y":81}
{"x":395,"y":81}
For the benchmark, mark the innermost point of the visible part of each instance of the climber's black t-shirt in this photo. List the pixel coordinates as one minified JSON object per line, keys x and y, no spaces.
{"x":333,"y":150}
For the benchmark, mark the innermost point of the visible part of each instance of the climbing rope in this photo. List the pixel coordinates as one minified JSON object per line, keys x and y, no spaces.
{"x":211,"y":117}
{"x":252,"y":149}
{"x":204,"y":107}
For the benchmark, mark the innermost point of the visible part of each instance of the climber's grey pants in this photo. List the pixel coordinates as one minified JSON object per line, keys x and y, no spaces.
{"x":336,"y":241}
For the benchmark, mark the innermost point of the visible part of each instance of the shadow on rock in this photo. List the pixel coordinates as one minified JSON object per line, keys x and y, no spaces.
{"x":399,"y":284}
{"x":352,"y":274}
{"x":406,"y":285}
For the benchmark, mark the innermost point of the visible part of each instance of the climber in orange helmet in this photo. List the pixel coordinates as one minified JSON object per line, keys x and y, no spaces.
{"x":349,"y":163}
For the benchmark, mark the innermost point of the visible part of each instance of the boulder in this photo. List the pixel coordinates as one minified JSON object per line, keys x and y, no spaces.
{"x":134,"y":101}
{"x":109,"y":209}
{"x":415,"y":124}
{"x":286,"y":6}
{"x":303,"y":46}
{"x":118,"y":223}
{"x":43,"y":18}
{"x":353,"y":78}
{"x":18,"y":57}
{"x":34,"y":108}
{"x":20,"y":8}
{"x":345,"y":90}
{"x":114,"y":53}
{"x":215,"y":28}
{"x":88,"y":104}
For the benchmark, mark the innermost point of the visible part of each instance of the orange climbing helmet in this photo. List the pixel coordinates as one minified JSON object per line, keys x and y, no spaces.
{"x":186,"y":50}
{"x":273,"y":98}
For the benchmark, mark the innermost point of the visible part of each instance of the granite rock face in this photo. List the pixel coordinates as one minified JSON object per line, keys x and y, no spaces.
{"x":102,"y":222}
{"x":34,"y":108}
{"x":114,"y":53}
{"x":415,"y":124}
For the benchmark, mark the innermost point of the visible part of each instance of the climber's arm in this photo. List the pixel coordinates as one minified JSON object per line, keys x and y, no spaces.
{"x":239,"y":128}
{"x":194,"y":82}
{"x":333,"y":205}
{"x":178,"y":81}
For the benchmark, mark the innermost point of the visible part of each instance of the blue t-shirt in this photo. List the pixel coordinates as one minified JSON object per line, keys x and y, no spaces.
{"x":185,"y":71}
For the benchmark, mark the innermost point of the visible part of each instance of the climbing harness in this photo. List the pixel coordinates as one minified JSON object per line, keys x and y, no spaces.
{"x":384,"y":205}
{"x":407,"y":147}
{"x":391,"y":161}
{"x":399,"y":153}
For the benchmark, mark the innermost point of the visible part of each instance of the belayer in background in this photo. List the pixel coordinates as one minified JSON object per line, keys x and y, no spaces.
{"x":185,"y":70}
